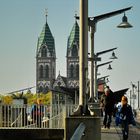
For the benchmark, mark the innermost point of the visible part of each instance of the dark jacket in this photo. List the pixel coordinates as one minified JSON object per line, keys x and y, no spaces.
{"x":124,"y":113}
{"x":108,"y":102}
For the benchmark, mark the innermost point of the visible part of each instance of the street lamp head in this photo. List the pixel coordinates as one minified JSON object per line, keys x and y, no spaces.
{"x":113,"y":56}
{"x":109,"y":67}
{"x":124,"y":23}
{"x":107,"y":80}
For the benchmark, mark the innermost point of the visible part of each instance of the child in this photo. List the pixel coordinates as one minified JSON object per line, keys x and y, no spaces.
{"x":124,"y":116}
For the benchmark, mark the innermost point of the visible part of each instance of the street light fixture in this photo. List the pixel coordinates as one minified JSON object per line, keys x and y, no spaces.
{"x":103,"y":52}
{"x":107,"y":80}
{"x":103,"y":64}
{"x":113,"y":56}
{"x":95,"y":75}
{"x":93,"y":83}
{"x":124,"y":23}
{"x":109,"y":67}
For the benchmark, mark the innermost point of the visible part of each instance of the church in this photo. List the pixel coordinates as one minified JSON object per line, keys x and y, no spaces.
{"x":46,"y":79}
{"x":46,"y":61}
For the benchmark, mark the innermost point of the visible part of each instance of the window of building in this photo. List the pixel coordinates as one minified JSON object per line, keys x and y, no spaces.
{"x":40,"y":89}
{"x":77,"y":71}
{"x":53,"y":72}
{"x":46,"y":71}
{"x":44,"y":51}
{"x":45,"y":89}
{"x":71,"y":71}
{"x":41,"y":71}
{"x":74,"y":50}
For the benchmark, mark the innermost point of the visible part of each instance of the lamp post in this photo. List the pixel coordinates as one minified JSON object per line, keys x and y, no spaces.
{"x":94,"y":68}
{"x":83,"y":59}
{"x":95,"y":76}
{"x":86,"y":21}
{"x":92,"y":21}
{"x":133,"y":94}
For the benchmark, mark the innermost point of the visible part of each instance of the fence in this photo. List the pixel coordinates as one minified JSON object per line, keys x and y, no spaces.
{"x":36,"y":116}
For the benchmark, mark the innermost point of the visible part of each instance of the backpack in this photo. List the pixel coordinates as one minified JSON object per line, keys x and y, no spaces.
{"x":124,"y":115}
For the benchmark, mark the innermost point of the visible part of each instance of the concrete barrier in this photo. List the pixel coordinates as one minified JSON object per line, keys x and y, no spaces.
{"x":78,"y":132}
{"x":92,"y":127}
{"x":31,"y":134}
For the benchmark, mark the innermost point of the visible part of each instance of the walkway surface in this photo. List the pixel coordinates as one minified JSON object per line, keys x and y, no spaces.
{"x":115,"y":133}
{"x":111,"y":134}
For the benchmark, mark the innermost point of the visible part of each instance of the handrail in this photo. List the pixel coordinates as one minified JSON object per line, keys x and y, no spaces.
{"x":17,"y":119}
{"x":17,"y":116}
{"x":78,"y":132}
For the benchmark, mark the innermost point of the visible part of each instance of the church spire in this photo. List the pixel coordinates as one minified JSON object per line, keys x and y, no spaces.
{"x":74,"y":34}
{"x":45,"y":59}
{"x":46,"y":38}
{"x":75,"y":16}
{"x":46,"y":13}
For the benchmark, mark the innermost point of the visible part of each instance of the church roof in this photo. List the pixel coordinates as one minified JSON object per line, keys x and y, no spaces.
{"x":74,"y":35}
{"x":60,"y":81}
{"x":64,"y":79}
{"x":46,"y":38}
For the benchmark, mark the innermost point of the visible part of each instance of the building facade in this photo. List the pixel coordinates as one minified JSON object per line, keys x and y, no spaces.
{"x":46,"y":61}
{"x":73,"y":57}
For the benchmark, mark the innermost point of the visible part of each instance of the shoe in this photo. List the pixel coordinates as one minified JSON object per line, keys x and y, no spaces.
{"x":108,"y":126}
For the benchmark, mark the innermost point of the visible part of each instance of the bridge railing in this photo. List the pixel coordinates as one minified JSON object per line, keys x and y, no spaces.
{"x":24,"y":116}
{"x":58,"y":114}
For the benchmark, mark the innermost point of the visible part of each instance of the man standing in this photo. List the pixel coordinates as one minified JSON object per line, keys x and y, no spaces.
{"x":107,"y":100}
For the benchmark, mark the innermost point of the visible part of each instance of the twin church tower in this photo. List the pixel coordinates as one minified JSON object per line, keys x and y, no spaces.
{"x":46,"y":61}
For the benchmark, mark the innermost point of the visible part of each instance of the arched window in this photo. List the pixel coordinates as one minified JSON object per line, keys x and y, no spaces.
{"x":46,"y":71}
{"x":71,"y":71}
{"x":77,"y":71}
{"x":74,"y":51}
{"x":44,"y":52}
{"x":45,"y":89}
{"x":41,"y":71}
{"x":40,"y":89}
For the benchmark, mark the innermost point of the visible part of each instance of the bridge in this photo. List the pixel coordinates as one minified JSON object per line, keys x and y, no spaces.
{"x":16,"y":123}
